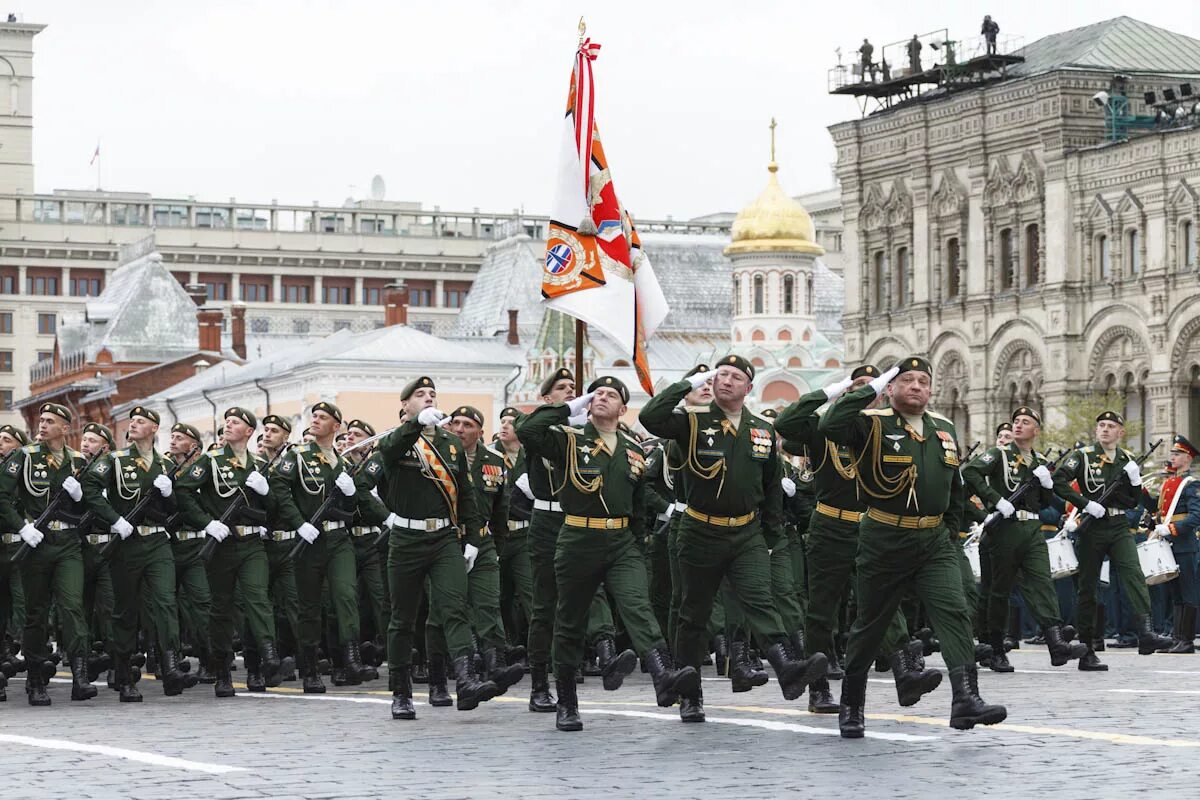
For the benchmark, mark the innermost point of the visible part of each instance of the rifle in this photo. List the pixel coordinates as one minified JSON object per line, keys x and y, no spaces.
{"x":331,"y":497}
{"x":994,"y":518}
{"x":50,"y":510}
{"x":139,"y":508}
{"x":235,"y":505}
{"x":1112,"y":487}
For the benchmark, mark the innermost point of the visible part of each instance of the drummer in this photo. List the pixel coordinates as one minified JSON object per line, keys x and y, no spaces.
{"x":1178,"y":521}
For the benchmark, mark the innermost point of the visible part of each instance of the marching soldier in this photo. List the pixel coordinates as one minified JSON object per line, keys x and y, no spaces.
{"x":1016,"y":547}
{"x":33,"y":475}
{"x":1092,"y":468}
{"x":368,"y":560}
{"x":1179,"y":520}
{"x":12,"y":595}
{"x":602,"y":497}
{"x":512,"y":549}
{"x":143,"y":565}
{"x":98,"y":599}
{"x":734,"y":494}
{"x":908,"y":470}
{"x":193,"y":595}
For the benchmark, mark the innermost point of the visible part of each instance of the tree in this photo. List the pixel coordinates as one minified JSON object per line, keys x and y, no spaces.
{"x":1080,"y":425}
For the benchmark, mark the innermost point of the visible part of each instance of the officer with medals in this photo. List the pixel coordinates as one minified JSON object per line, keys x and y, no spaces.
{"x":1091,"y":469}
{"x":143,"y":565}
{"x":908,"y":472}
{"x":512,"y":547}
{"x":32,"y":475}
{"x":221,"y":477}
{"x":1179,"y":522}
{"x":368,"y":557}
{"x":96,"y":439}
{"x":1016,"y":547}
{"x":734,"y":509}
{"x":193,"y":595}
{"x":12,"y":595}
{"x":300,"y":484}
{"x":602,"y":496}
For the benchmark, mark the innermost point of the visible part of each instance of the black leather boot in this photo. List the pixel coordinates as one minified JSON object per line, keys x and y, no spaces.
{"x":97,"y":662}
{"x":1014,"y":628}
{"x":1101,"y":624}
{"x":35,"y":688}
{"x":439,"y":695}
{"x":794,"y":674}
{"x":670,"y":682}
{"x":81,"y":687}
{"x":912,"y":682}
{"x":691,"y":707}
{"x":614,"y":666}
{"x":1062,"y":651}
{"x":1000,"y":661}
{"x":203,"y":675}
{"x":355,"y":671}
{"x":270,"y":658}
{"x":176,"y":674}
{"x":968,"y":708}
{"x":833,"y":670}
{"x":287,"y":672}
{"x":567,"y":709}
{"x":223,"y":687}
{"x":1088,"y":662}
{"x":1148,"y":641}
{"x":1185,"y":634}
{"x":540,"y":699}
{"x":255,"y":682}
{"x":742,"y":674}
{"x":983,"y":654}
{"x":470,"y":690}
{"x":852,"y":721}
{"x":402,"y":702}
{"x":504,"y":675}
{"x":311,"y":678}
{"x":820,"y":699}
{"x":722,"y":653}
{"x":127,"y":677}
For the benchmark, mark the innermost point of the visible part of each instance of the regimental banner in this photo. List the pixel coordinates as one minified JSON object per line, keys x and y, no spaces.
{"x":595,"y":269}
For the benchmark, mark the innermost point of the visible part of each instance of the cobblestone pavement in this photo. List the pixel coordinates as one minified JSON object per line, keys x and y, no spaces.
{"x":1122,"y":728}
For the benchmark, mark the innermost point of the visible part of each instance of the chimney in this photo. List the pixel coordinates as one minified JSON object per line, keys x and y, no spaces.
{"x":210,"y":320}
{"x":513,"y":338}
{"x":395,"y":304}
{"x":238,"y":317}
{"x":198,"y":292}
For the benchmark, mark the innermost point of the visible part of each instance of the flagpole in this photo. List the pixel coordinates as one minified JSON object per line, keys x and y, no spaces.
{"x":580,"y":335}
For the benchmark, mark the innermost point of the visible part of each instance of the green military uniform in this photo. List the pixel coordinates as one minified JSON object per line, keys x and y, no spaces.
{"x":369,"y":565}
{"x":512,"y":545}
{"x":193,"y":595}
{"x":12,"y":594}
{"x":660,"y":506}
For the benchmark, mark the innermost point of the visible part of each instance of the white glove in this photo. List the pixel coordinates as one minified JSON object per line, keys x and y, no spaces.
{"x":988,"y":519}
{"x":391,"y":521}
{"x":1161,"y":531}
{"x":522,"y":483}
{"x":1005,"y":508}
{"x":579,"y":403}
{"x":345,"y":484}
{"x":430,"y":416}
{"x":31,"y":535}
{"x":699,"y":379}
{"x":1043,"y":476}
{"x":217,"y":529}
{"x":976,"y":528}
{"x":1134,"y":472}
{"x":1070,"y":525}
{"x":834,"y":389}
{"x":164,"y":485}
{"x":1094,"y":508}
{"x":74,"y":490}
{"x":789,"y":486}
{"x":122,"y":527}
{"x":880,"y":383}
{"x":579,"y":419}
{"x":258,"y":483}
{"x":469,"y":554}
{"x":308,"y":533}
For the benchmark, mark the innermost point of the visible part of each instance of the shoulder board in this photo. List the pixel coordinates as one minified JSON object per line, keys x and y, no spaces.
{"x":494,"y":451}
{"x":632,"y":441}
{"x":75,"y":454}
{"x":568,"y":429}
{"x":31,"y":448}
{"x":489,"y":454}
{"x":1128,"y":454}
{"x":1086,"y":449}
{"x":1042,"y":456}
{"x":302,"y":448}
{"x":759,"y":422}
{"x":936,"y":415}
{"x":877,"y":412}
{"x":120,"y":453}
{"x":220,"y":451}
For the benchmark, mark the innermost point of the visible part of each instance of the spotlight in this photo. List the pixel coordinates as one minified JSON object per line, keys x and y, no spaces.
{"x":1180,"y":112}
{"x":1185,"y":89}
{"x":1169,"y":95}
{"x":1150,"y":98}
{"x":1100,"y":99}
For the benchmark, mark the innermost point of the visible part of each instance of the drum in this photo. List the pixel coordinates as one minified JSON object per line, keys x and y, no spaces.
{"x":971,"y":551}
{"x":1158,"y":562}
{"x":1063,"y":563}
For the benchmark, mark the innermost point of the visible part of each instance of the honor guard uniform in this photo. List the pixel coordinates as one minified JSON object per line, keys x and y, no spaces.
{"x":512,"y":546}
{"x":219,"y":479}
{"x":12,"y":595}
{"x":142,"y":563}
{"x":1179,"y":521}
{"x":193,"y":595}
{"x":32,"y":476}
{"x":1092,"y":469}
{"x":97,"y":577}
{"x":314,"y":495}
{"x":732,"y":487}
{"x":368,"y":557}
{"x":602,"y":496}
{"x":908,"y":472}
{"x":1016,"y":547}
{"x":660,"y":505}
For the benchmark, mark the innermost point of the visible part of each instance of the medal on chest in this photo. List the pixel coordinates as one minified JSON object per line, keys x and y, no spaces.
{"x":760,"y":441}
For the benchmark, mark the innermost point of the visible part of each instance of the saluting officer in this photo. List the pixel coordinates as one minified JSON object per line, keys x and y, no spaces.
{"x":1179,"y":520}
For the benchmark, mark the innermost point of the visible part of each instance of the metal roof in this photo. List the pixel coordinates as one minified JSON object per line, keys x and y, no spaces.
{"x":1122,"y":44}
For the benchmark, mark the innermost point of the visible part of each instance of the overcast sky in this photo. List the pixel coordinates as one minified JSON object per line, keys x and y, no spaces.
{"x":458,"y":103}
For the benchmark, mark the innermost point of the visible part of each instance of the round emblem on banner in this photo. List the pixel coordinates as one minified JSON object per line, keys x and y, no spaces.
{"x":565,"y":258}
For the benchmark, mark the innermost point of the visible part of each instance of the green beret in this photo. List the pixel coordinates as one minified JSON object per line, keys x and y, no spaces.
{"x":470,"y":412}
{"x":328,"y":408}
{"x":16,"y":433}
{"x":510,"y":411}
{"x":696,"y":370}
{"x":915,"y":364}
{"x":275,"y":419}
{"x":1003,"y":426}
{"x":1111,"y":416}
{"x":1026,"y":411}
{"x":737,"y":362}
{"x":418,"y":383}
{"x":102,"y":431}
{"x":365,"y":427}
{"x":242,"y":414}
{"x":146,"y":413}
{"x":341,"y":437}
{"x":56,"y":409}
{"x":770,"y":413}
{"x":866,"y":370}
{"x":187,"y":430}
{"x":611,"y":383}
{"x":560,"y":374}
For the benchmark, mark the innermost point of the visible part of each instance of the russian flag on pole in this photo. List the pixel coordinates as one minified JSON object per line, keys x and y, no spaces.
{"x":595,"y":269}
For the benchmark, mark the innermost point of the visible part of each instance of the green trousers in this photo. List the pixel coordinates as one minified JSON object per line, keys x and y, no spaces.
{"x":893,"y":561}
{"x":371,"y":582}
{"x":718,"y":622}
{"x":143,"y":573}
{"x":660,"y":578}
{"x":798,"y":549}
{"x":54,"y":571}
{"x":783,"y":590}
{"x":1017,"y":550}
{"x":516,"y":578}
{"x":483,"y":604}
{"x":970,"y":589}
{"x":239,"y":564}
{"x":12,"y":593}
{"x":1099,"y":539}
{"x":543,"y":541}
{"x":585,"y":559}
{"x":706,"y":555}
{"x":97,"y":593}
{"x":192,"y":592}
{"x":281,"y":590}
{"x":330,"y":558}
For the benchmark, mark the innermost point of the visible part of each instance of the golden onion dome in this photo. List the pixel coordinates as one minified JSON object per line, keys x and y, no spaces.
{"x":774,"y":222}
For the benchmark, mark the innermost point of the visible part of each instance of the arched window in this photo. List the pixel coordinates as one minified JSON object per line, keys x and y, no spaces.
{"x":1104,"y":257}
{"x":901,"y":278}
{"x":784,"y":335}
{"x":757,"y":336}
{"x":737,"y":294}
{"x":1006,"y":259}
{"x":758,"y":362}
{"x":795,"y":361}
{"x":831,"y":363}
{"x":758,"y":294}
{"x":952,"y":255}
{"x":789,"y":294}
{"x":1033,"y":267}
{"x":1133,"y":252}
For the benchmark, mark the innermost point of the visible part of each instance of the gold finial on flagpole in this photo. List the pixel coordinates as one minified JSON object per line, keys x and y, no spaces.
{"x":582,"y":30}
{"x":772,"y":166}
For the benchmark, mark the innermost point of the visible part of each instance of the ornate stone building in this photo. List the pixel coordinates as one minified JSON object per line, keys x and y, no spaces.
{"x":1027,"y":250}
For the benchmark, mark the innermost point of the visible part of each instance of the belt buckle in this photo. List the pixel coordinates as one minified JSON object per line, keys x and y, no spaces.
{"x":732,"y":522}
{"x":430,"y":525}
{"x":610,"y":523}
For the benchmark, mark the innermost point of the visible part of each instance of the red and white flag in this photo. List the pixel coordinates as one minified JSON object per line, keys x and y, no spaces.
{"x":595,"y":269}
